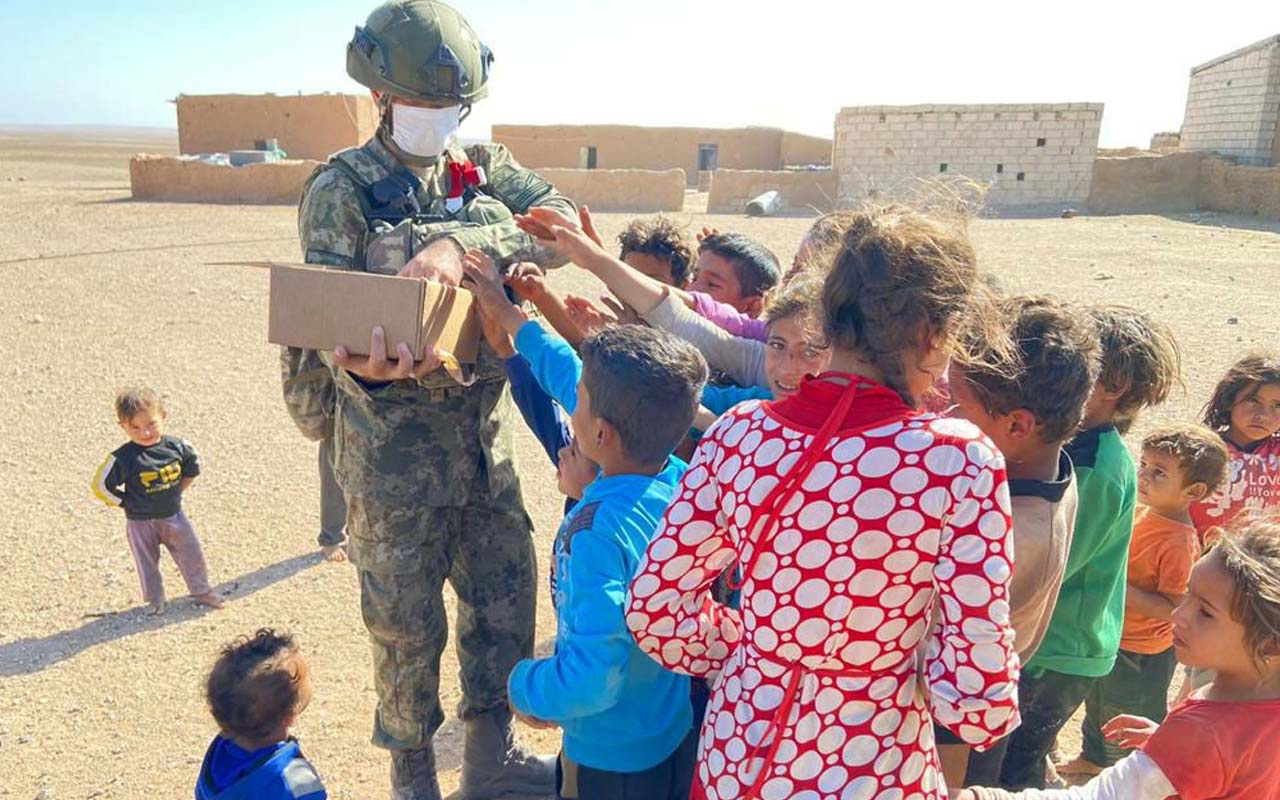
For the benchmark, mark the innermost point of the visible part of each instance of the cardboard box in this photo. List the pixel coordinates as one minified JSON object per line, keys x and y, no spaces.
{"x":319,"y":309}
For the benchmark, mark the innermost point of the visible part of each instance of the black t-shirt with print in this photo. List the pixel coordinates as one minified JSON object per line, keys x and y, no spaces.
{"x":148,"y":480}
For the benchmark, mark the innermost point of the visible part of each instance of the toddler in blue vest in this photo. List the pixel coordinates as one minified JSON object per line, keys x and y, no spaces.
{"x":256,"y":690}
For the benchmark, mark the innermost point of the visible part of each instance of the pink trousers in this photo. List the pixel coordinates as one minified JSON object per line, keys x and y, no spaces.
{"x":177,"y":535}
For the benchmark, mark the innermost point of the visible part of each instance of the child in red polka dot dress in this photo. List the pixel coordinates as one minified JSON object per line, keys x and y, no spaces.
{"x":853,"y":515}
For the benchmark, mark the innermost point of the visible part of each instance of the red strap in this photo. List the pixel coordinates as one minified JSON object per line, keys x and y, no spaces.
{"x":788,"y":486}
{"x":461,"y":175}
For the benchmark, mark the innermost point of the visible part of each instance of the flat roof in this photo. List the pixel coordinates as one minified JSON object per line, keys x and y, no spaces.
{"x":1270,"y":41}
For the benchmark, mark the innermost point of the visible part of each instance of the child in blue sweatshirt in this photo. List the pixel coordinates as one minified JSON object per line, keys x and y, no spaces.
{"x":626,"y":722}
{"x":256,"y":689}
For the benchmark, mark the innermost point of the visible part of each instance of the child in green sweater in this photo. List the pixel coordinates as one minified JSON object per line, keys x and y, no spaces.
{"x":1140,"y":365}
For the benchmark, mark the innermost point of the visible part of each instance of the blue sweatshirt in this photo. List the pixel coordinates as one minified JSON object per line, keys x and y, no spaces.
{"x":619,"y":710}
{"x":277,"y":772}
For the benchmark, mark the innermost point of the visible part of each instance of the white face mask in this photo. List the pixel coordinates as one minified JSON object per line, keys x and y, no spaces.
{"x":424,"y":132}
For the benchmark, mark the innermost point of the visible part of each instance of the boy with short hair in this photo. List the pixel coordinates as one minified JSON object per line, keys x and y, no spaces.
{"x":1029,"y":406}
{"x":734,"y":270}
{"x":256,"y":690}
{"x":1180,"y":465}
{"x":1140,"y":365}
{"x":147,"y":476}
{"x":627,"y":722}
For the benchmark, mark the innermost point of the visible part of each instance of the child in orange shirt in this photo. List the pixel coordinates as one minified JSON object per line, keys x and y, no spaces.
{"x":1180,"y":465}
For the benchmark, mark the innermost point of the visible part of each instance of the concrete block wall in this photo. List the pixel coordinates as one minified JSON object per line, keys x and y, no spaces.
{"x":1035,"y":154}
{"x":1233,"y":105}
{"x":802,"y":191}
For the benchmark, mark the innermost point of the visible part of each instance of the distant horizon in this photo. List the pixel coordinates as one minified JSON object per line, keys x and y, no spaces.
{"x":712,"y":64}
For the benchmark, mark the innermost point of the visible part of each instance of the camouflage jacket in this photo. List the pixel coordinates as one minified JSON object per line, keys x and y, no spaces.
{"x":425,"y":441}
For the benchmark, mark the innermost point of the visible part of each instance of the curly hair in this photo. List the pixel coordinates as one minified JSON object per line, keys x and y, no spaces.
{"x":901,"y":277}
{"x":1246,"y":375}
{"x":1055,"y":365}
{"x":253,"y":687}
{"x":1251,"y":556}
{"x":1200,"y":453}
{"x":661,"y":238}
{"x":1140,"y":358}
{"x":133,"y":400}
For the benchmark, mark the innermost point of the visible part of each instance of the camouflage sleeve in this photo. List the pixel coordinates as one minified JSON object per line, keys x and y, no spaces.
{"x":331,"y":226}
{"x":519,"y":189}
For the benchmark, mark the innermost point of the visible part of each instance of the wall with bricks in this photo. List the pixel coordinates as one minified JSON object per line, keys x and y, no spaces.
{"x":802,"y":191}
{"x":1030,"y":155}
{"x":1233,"y":105}
{"x":189,"y":181}
{"x":621,"y":189}
{"x":306,"y":126}
{"x":637,"y":147}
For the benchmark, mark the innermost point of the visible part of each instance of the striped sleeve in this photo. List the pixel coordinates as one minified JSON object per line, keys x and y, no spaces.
{"x":105,"y":482}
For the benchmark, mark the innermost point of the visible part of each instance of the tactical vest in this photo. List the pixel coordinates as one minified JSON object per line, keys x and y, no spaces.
{"x":404,"y":216}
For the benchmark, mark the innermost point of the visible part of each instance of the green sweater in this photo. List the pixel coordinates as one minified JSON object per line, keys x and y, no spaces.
{"x":1084,"y":633}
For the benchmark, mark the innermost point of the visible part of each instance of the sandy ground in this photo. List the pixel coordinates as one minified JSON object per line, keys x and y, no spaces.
{"x":98,"y":701}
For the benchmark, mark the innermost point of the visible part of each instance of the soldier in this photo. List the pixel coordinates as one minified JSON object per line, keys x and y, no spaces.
{"x":426,"y":463}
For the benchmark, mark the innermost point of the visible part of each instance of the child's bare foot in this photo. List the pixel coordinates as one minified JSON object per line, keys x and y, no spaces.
{"x":337,"y":553}
{"x":208,"y":599}
{"x":1078,"y":766}
{"x":155,"y":608}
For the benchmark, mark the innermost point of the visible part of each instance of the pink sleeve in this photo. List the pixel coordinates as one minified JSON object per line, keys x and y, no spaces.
{"x":971,"y":664}
{"x":729,"y":318}
{"x":670,"y":611}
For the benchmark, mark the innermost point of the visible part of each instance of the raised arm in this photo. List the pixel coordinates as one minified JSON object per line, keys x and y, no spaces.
{"x":741,"y":359}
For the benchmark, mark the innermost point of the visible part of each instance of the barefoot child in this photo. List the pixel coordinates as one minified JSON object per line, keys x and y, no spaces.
{"x":256,"y":690}
{"x":1224,"y":741}
{"x":1245,"y":410}
{"x":852,"y":513}
{"x":1179,"y":466}
{"x":147,"y":476}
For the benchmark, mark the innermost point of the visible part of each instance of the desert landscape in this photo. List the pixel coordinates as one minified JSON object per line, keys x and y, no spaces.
{"x":98,"y":290}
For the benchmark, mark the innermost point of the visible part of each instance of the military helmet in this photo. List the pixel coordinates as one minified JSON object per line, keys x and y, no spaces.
{"x":420,"y":49}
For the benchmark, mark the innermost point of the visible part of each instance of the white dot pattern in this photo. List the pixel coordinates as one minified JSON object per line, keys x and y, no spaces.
{"x":888,"y":523}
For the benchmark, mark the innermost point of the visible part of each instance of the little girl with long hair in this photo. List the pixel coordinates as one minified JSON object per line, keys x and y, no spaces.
{"x":1245,"y":410}
{"x":1223,"y":742}
{"x":853,"y":515}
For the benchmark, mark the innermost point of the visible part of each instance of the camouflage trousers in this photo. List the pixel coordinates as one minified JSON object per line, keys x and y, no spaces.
{"x":403,"y":555}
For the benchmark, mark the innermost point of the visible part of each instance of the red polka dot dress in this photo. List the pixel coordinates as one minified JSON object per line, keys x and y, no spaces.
{"x":852,"y":518}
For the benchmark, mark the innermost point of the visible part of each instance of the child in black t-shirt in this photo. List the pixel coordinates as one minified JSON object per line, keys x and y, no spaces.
{"x":147,"y":476}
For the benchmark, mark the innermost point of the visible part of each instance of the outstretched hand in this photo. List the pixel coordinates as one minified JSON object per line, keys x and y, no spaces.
{"x":481,"y":276}
{"x":1129,"y":731}
{"x":589,"y":317}
{"x":377,"y":367}
{"x":576,"y":240}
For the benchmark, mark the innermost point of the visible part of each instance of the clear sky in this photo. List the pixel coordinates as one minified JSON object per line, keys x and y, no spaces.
{"x":786,"y":63}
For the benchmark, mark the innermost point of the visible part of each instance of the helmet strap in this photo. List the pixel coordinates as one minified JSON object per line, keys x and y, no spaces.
{"x":464,"y":113}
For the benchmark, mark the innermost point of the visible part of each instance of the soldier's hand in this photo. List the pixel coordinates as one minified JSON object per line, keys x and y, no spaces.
{"x":440,"y":261}
{"x":377,"y":367}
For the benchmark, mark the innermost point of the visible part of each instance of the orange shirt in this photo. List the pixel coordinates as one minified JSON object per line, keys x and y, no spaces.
{"x":1161,"y":553}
